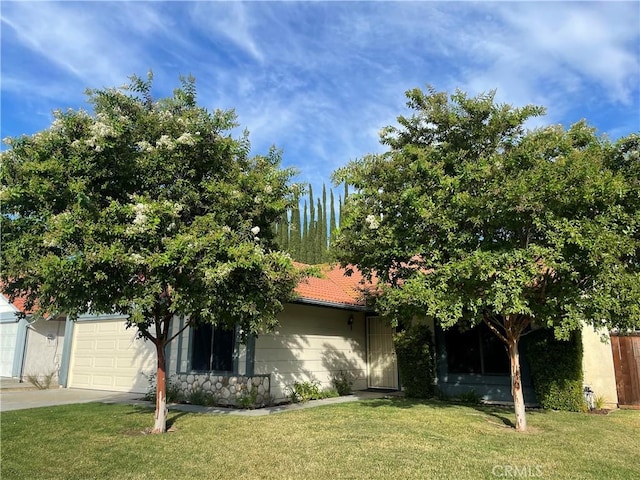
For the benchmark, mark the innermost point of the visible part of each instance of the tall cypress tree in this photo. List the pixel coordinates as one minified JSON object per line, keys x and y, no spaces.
{"x":304,"y":244}
{"x":295,"y":231}
{"x":325,"y":237}
{"x":344,"y":201}
{"x":332,"y":219}
{"x":311,"y":235}
{"x":319,"y":241}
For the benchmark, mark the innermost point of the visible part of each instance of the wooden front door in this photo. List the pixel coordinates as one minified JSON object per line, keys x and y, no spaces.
{"x":626,"y":362}
{"x":381,"y":356}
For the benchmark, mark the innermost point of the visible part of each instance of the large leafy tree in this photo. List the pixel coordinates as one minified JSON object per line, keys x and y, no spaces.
{"x":468,"y":217}
{"x":150,"y":208}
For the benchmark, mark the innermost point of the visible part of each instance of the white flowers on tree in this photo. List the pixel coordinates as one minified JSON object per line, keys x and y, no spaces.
{"x":372,"y":221}
{"x":146,"y":208}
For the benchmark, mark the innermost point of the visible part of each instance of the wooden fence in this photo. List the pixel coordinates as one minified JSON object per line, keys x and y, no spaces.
{"x":626,"y":362}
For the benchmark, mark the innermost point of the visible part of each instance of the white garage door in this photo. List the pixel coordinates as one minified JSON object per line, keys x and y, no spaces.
{"x":8,"y":335}
{"x":107,"y":356}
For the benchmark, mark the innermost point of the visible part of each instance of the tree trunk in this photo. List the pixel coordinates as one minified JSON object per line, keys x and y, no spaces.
{"x":161,"y":392}
{"x":516,"y":384}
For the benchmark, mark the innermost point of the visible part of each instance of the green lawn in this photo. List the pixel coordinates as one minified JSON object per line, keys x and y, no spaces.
{"x":371,"y":439}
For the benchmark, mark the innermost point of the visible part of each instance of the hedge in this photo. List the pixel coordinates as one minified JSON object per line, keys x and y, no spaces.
{"x":416,"y":361}
{"x":556,"y":370}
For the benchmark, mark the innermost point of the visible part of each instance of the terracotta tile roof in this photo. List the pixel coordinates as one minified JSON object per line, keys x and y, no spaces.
{"x":18,"y":303}
{"x":333,"y":287}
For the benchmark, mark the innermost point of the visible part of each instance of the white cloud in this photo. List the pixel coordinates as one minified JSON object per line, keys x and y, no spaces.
{"x":320,"y":79}
{"x":228,"y":19}
{"x":595,"y":41}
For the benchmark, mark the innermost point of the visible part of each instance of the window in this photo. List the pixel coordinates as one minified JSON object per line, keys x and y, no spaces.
{"x":477,"y":351}
{"x":212,"y":349}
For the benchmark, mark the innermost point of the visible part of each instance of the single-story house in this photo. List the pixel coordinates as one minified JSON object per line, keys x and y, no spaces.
{"x":328,"y":330}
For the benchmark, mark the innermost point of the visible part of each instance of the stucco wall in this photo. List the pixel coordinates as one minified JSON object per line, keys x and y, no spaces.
{"x":312,"y":344}
{"x":597,"y":365}
{"x":43,"y":352}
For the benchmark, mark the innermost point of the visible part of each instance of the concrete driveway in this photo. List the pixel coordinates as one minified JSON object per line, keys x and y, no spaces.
{"x":22,"y":399}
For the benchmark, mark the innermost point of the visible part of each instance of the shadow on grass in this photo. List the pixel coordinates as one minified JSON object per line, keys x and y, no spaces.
{"x":405,"y":403}
{"x":171,"y":419}
{"x":502,"y":413}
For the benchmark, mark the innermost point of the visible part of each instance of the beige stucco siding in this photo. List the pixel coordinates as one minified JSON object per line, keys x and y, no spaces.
{"x":312,"y":344}
{"x":597,"y":365}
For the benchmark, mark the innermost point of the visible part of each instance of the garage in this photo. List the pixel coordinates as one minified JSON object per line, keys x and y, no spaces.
{"x":8,"y":336}
{"x":107,"y":356}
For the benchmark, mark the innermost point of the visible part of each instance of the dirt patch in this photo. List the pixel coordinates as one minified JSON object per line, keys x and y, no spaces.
{"x":599,"y":411}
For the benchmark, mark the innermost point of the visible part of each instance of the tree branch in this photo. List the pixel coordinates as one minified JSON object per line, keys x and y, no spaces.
{"x":188,"y":324}
{"x":145,"y":333}
{"x":494,"y":329}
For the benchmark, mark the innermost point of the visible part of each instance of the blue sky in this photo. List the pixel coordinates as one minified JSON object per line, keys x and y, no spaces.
{"x":320,"y":79}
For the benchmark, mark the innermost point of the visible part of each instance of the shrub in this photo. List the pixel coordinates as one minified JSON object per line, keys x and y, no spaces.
{"x":173,"y":389}
{"x":599,"y":402}
{"x":342,"y":382}
{"x":305,"y":391}
{"x":198,"y":396}
{"x":41,"y":382}
{"x":471,"y":397}
{"x":248,"y":398}
{"x":416,"y":361}
{"x":329,"y":393}
{"x":556,"y":370}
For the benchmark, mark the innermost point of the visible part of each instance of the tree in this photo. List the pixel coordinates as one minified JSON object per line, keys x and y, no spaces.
{"x":332,"y":219}
{"x":149,"y":208}
{"x":470,"y":218}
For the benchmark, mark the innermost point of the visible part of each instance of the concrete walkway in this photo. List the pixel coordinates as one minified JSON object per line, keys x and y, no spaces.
{"x":258,"y":412}
{"x":29,"y":398}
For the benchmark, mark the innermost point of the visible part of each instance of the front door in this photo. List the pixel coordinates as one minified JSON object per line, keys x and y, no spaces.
{"x":381,"y":356}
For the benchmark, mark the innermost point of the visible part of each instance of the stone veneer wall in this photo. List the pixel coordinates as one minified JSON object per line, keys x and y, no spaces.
{"x":227,"y":390}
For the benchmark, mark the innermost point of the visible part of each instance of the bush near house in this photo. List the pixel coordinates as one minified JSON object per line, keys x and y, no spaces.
{"x":416,"y":361}
{"x":556,"y":370}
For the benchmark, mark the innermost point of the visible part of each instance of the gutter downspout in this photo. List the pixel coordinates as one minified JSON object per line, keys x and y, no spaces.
{"x":63,"y":374}
{"x":21,"y":344}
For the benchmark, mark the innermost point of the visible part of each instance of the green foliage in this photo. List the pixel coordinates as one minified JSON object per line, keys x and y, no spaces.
{"x":310,"y":242}
{"x":472,"y":215}
{"x":173,"y":393}
{"x":471,"y":397}
{"x":468,"y":217}
{"x":556,"y":370}
{"x":305,"y":391}
{"x":149,"y":208}
{"x":342,"y":382}
{"x":198,"y":396}
{"x":330,"y":393}
{"x":248,"y":398}
{"x":599,"y":402}
{"x":416,"y":362}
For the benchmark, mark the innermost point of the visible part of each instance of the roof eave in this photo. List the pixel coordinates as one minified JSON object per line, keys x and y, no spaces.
{"x":340,"y":305}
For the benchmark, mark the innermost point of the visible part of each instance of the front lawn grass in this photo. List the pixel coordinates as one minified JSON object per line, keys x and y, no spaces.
{"x":372,"y":439}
